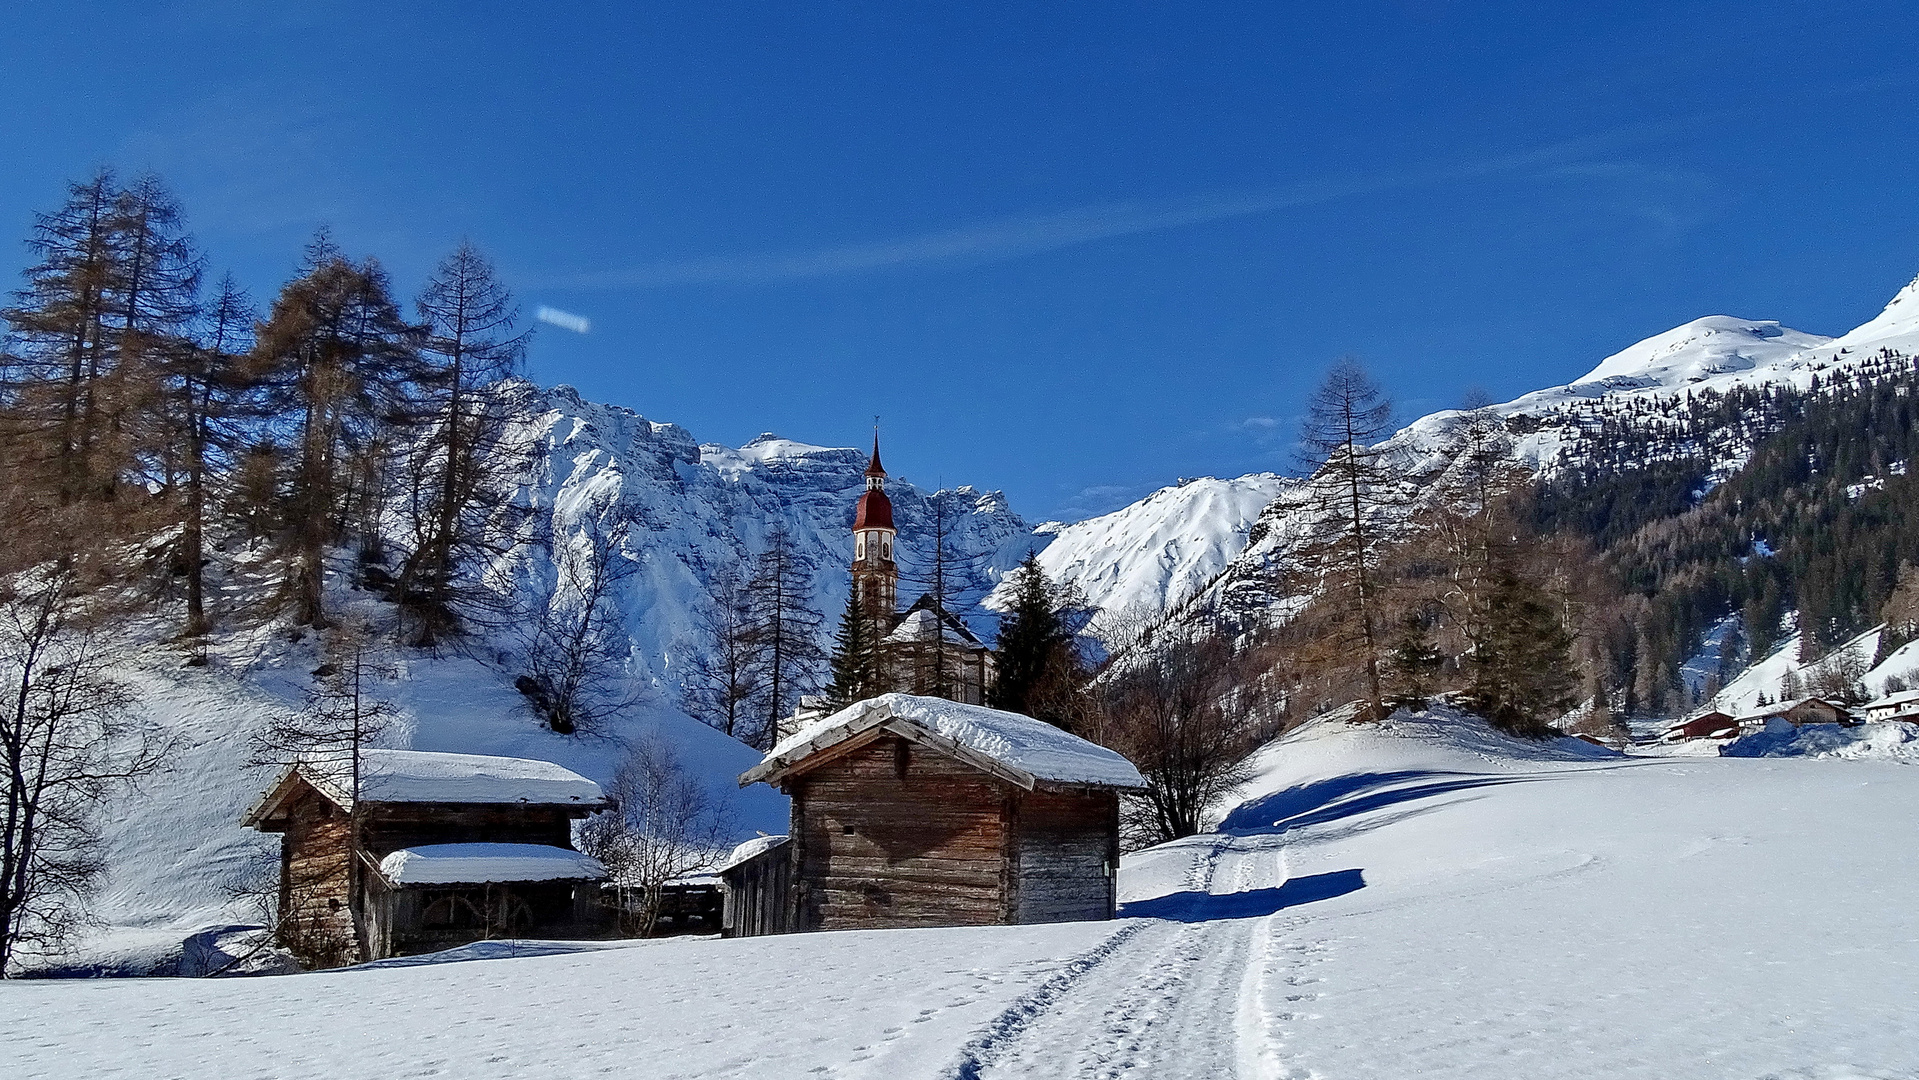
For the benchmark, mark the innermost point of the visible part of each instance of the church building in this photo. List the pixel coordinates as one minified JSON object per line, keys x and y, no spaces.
{"x":925,"y":649}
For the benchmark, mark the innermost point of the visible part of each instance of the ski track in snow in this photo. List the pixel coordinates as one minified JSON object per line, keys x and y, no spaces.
{"x":1161,"y":998}
{"x":1561,"y":918}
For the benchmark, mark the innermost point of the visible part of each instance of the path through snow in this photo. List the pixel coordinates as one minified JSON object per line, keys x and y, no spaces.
{"x":1392,"y":901}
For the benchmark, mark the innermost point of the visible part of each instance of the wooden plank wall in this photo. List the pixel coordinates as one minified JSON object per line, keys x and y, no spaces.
{"x":895,"y":835}
{"x":1068,"y":845}
{"x":759,"y":894}
{"x":316,"y":920}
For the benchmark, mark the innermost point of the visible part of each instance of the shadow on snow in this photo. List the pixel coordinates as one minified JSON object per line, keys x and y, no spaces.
{"x":1205,"y":907}
{"x":1345,"y":796}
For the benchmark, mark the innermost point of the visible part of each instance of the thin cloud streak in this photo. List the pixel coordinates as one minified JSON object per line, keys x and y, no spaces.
{"x":1017,"y":237}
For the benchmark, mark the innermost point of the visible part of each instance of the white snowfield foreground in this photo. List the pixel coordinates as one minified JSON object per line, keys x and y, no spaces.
{"x":1422,"y":898}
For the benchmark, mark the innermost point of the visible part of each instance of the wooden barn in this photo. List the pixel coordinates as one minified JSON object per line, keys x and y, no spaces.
{"x":1708,"y":725}
{"x":917,"y":811}
{"x":437,"y":850}
{"x":1810,"y":710}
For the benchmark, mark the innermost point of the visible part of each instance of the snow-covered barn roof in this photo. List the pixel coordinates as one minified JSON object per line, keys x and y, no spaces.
{"x":474,"y":864}
{"x":1896,"y":701}
{"x":1784,"y":707}
{"x":1015,"y":748}
{"x":418,"y":776}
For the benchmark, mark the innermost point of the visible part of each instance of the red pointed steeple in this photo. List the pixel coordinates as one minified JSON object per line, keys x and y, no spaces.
{"x":875,"y":575}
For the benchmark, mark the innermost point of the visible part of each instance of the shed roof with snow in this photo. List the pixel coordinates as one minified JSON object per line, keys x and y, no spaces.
{"x":475,"y":864}
{"x":1012,"y":747}
{"x":418,"y":776}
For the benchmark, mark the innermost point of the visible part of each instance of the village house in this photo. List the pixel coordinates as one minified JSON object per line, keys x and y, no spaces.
{"x":1900,"y":706}
{"x":1708,"y":725}
{"x":432,"y":851}
{"x":1810,"y":710}
{"x":918,"y":811}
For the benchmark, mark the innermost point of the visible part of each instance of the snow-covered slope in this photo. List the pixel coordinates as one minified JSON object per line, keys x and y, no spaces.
{"x":1646,"y":388}
{"x":1714,"y":345}
{"x":1420,"y":898}
{"x":695,"y":510}
{"x":1156,"y":553}
{"x":1767,"y":676}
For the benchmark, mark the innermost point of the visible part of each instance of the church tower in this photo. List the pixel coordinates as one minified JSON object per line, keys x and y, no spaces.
{"x":876,"y":577}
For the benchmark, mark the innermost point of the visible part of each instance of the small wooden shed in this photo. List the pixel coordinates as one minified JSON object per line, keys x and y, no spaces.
{"x":917,"y":811}
{"x":1707,"y":725}
{"x":437,"y":850}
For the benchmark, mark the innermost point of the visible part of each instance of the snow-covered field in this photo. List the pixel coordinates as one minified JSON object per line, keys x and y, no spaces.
{"x":1418,"y":898}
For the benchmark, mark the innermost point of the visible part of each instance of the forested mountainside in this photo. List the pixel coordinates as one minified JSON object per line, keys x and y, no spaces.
{"x":1820,"y":520}
{"x":1724,"y":467}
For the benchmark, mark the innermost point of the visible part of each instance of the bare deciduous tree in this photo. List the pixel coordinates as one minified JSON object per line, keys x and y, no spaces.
{"x":338,"y":362}
{"x":663,"y":825}
{"x":1353,"y":487}
{"x":786,"y":630}
{"x":343,"y":716}
{"x":1179,"y":714}
{"x":66,"y":745}
{"x":576,"y":642}
{"x":456,"y":469}
{"x":723,"y":675}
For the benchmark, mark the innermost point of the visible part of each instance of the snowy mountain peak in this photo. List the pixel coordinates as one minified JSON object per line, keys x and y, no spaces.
{"x":1714,"y":345}
{"x":1899,"y":319}
{"x":768,"y":449}
{"x":1159,"y":551}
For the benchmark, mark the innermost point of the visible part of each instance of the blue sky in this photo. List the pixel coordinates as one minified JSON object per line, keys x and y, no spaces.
{"x":1074,"y":251}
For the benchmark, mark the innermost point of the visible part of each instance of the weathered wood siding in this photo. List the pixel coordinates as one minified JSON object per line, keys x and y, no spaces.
{"x":316,"y":920}
{"x":759,"y":894}
{"x":1067,"y":845}
{"x":894,"y":835}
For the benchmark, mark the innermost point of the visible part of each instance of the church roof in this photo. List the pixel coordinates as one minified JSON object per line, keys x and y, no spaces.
{"x":873,"y":467}
{"x":875,"y":510}
{"x":919,"y":623}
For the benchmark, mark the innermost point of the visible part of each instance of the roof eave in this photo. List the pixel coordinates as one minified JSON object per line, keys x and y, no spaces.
{"x":772,"y":769}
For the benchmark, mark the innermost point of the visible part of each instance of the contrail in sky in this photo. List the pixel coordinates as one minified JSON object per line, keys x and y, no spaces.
{"x":1033,"y":234}
{"x":565,"y":320}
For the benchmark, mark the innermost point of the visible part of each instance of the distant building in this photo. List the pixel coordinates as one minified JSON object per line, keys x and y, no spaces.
{"x":1901,"y":706}
{"x":917,"y":811}
{"x":1810,"y":710}
{"x":1710,"y":725}
{"x":437,"y":850}
{"x":925,"y":649}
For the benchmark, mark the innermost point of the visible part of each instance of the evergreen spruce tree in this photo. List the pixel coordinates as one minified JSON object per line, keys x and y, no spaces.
{"x":1522,"y":671}
{"x":1413,"y":664}
{"x":856,"y":659}
{"x":1035,"y":650}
